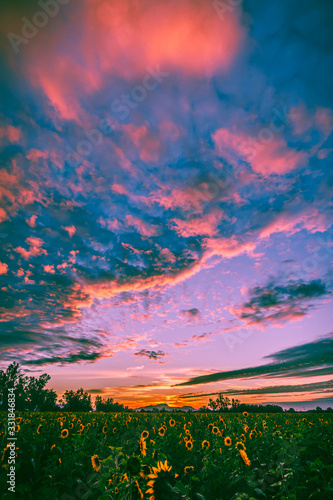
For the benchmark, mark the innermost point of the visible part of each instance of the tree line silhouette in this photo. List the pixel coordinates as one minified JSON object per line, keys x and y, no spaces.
{"x":31,"y":394}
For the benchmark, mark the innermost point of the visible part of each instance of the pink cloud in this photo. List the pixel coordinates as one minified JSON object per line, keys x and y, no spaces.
{"x":166,"y":254}
{"x":12,"y":134}
{"x":35,"y":248}
{"x":187,"y":198}
{"x":36,"y":154}
{"x":187,"y":37}
{"x":118,"y":188}
{"x":3,"y":215}
{"x":147,"y":145}
{"x":72,"y":258}
{"x":143,"y":227}
{"x":303,"y":120}
{"x":3,"y":268}
{"x":70,"y":229}
{"x":32,"y":221}
{"x":227,"y":247}
{"x":324,"y":120}
{"x":274,"y":157}
{"x":205,"y":225}
{"x":292,"y":223}
{"x":204,"y":337}
{"x":300,"y":119}
{"x":49,"y":269}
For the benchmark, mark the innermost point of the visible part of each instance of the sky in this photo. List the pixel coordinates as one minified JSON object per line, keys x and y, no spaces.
{"x":165,"y":198}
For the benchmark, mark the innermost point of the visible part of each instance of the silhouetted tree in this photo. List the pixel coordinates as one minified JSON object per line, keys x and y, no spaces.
{"x":223,"y":403}
{"x":76,"y":401}
{"x":30,"y":392}
{"x":108,"y":404}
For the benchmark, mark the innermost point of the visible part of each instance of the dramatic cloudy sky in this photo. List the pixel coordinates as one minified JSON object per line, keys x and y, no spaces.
{"x":166,"y":198}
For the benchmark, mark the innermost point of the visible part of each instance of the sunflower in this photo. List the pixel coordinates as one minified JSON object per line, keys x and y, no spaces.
{"x":215,"y":430}
{"x":245,"y":413}
{"x":145,"y":434}
{"x":246,"y":428}
{"x":161,"y":431}
{"x":243,"y":438}
{"x":227,"y":441}
{"x":71,"y":425}
{"x":17,"y":427}
{"x":18,"y":420}
{"x":136,"y":491}
{"x":105,"y":429}
{"x":252,"y":434}
{"x":172,"y":422}
{"x":146,"y":470}
{"x":188,"y":469}
{"x":124,"y":478}
{"x":189,"y":445}
{"x":161,"y":482}
{"x":239,"y":446}
{"x":110,"y":481}
{"x":64,"y":433}
{"x":96,"y":463}
{"x":244,"y":457}
{"x":133,"y":466}
{"x":205,"y":444}
{"x":39,"y":428}
{"x":143,"y":447}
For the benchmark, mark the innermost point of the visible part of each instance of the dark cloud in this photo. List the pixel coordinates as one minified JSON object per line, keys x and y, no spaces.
{"x":29,"y":346}
{"x":97,"y":391}
{"x":71,"y":358}
{"x":279,"y":389}
{"x":191,"y":312}
{"x":314,"y":358}
{"x":275,"y":302}
{"x":151,"y":354}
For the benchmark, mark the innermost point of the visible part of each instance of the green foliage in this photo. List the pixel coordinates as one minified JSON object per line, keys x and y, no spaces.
{"x":289,"y":456}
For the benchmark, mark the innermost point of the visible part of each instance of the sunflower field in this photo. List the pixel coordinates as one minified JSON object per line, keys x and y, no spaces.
{"x":207,"y":456}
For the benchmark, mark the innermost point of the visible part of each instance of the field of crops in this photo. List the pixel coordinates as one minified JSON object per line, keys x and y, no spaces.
{"x":66,"y":456}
